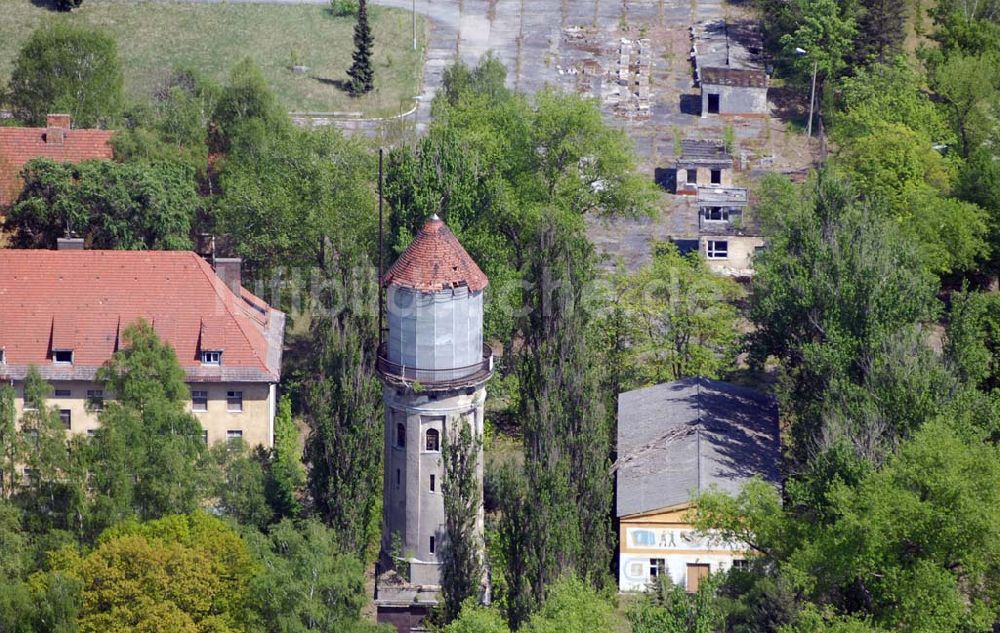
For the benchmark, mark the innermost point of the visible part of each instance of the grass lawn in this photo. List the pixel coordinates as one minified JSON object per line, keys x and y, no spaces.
{"x":155,"y":37}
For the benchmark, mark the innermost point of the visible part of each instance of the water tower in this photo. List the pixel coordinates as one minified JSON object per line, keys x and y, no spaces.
{"x":434,"y":367}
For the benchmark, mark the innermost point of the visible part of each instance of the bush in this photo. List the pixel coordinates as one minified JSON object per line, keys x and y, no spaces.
{"x":66,"y":68}
{"x":68,"y":5}
{"x":344,"y":8}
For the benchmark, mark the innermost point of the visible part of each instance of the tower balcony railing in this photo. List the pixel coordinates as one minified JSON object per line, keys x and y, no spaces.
{"x":445,"y":378}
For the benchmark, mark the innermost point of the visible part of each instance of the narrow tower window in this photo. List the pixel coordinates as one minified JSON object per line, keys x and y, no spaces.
{"x":432,"y":482}
{"x":432,"y":545}
{"x":400,"y":436}
{"x":433,"y":440}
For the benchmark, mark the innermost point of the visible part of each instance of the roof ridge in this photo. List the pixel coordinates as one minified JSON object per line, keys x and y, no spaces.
{"x":215,"y":282}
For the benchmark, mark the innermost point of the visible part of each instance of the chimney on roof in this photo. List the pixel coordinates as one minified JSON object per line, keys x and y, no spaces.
{"x":56,"y":126}
{"x":69,"y":244}
{"x":230,"y":271}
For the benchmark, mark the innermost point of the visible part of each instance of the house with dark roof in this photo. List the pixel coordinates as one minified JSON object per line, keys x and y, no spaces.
{"x":728,"y":67}
{"x":64,"y":312}
{"x":675,"y":441}
{"x":703,"y":163}
{"x":57,"y":140}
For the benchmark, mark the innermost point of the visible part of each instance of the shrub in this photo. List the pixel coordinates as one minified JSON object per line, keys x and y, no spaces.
{"x":344,"y":8}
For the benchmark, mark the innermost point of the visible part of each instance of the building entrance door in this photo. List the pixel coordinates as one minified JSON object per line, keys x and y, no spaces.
{"x":713,"y":104}
{"x":696,"y":573}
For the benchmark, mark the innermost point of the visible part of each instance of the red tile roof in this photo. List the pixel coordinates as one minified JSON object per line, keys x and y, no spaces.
{"x":18,"y":145}
{"x":434,"y":261}
{"x":83,"y":300}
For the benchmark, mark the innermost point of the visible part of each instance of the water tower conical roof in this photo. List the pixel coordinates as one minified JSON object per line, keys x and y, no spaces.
{"x":435,"y":261}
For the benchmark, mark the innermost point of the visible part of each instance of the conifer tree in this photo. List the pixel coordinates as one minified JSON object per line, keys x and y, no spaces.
{"x":361,"y":72}
{"x":461,"y":552}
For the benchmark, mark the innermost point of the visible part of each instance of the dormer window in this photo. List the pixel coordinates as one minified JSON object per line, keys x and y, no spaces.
{"x":62,"y":356}
{"x":211,"y":358}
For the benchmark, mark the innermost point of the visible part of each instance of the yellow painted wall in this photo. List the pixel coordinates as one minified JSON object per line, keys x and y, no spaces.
{"x":254,"y":420}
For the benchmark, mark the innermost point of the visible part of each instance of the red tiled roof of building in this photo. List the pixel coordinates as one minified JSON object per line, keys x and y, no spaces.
{"x":434,"y":261}
{"x":83,"y":301}
{"x":18,"y":145}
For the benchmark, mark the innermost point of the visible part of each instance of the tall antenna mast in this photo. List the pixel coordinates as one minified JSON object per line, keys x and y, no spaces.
{"x":381,"y":296}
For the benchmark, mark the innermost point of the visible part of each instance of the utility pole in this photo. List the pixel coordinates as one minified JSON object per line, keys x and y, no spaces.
{"x":812,"y":100}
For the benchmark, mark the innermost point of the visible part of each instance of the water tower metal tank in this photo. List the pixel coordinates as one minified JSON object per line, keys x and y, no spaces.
{"x":434,"y":302}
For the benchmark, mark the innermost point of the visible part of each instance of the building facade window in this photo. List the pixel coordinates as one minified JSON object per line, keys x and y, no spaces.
{"x":234,"y":401}
{"x":433,"y":441}
{"x":691,"y":176}
{"x":717,"y":249}
{"x":63,"y":393}
{"x":199,"y":401}
{"x":95,"y":399}
{"x":204,"y":437}
{"x":398,"y":479}
{"x":232,"y":435}
{"x":91,"y":432}
{"x":433,"y":482}
{"x":657,"y":567}
{"x":3,"y":356}
{"x":716,"y":214}
{"x":211,"y":358}
{"x":432,"y":545}
{"x":741,"y":563}
{"x":32,"y":435}
{"x":62,"y":356}
{"x":400,"y":435}
{"x":66,"y":417}
{"x":716,"y":176}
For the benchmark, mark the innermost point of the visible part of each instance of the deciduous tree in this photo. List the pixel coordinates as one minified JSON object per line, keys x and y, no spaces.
{"x":462,"y":572}
{"x":67,"y":68}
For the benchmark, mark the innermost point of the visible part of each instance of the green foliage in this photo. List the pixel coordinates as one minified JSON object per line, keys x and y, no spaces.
{"x":245,"y":106}
{"x":572,"y":606}
{"x":291,"y":195}
{"x":825,"y":31}
{"x":174,"y":128}
{"x":462,"y":572}
{"x":308,"y":583}
{"x":889,"y":545}
{"x":53,"y":495}
{"x":839,"y":296}
{"x":11,"y":445}
{"x":146,"y":453}
{"x":475,"y":618}
{"x":564,"y":507}
{"x":178,"y":573}
{"x":287,"y":476}
{"x":343,"y":403}
{"x":241,"y":488}
{"x":678,"y":320}
{"x":973,"y":342}
{"x":67,"y":68}
{"x":361,"y":72}
{"x":112,"y":205}
{"x":667,"y":608}
{"x":881,"y":29}
{"x":887,"y":94}
{"x":969,"y":86}
{"x":344,"y":8}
